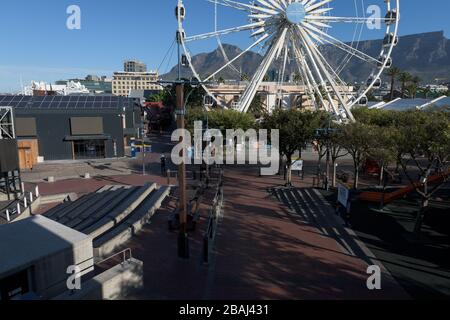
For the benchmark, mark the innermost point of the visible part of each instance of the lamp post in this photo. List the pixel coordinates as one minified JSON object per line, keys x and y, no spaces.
{"x":183,"y":239}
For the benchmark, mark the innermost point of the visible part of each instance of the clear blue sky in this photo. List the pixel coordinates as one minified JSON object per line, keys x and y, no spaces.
{"x":36,"y":45}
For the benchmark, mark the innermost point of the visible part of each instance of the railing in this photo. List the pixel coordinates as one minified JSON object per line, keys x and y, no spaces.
{"x":122,"y":253}
{"x":192,"y":175}
{"x":213,"y":221}
{"x":20,"y":205}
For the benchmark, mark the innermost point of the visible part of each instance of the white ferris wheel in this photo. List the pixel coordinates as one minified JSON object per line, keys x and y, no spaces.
{"x":296,"y":35}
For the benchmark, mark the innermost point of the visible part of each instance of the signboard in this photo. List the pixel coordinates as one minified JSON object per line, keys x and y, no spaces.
{"x":343,"y":195}
{"x":297,"y":165}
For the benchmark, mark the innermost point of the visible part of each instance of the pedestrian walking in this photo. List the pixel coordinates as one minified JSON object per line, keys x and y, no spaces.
{"x":163,"y":165}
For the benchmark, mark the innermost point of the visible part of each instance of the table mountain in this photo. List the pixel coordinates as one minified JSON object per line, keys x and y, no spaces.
{"x":426,"y":55}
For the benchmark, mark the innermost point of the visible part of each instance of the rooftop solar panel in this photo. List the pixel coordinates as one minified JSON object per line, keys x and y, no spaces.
{"x":66,"y":102}
{"x":445,"y":102}
{"x":406,"y":104}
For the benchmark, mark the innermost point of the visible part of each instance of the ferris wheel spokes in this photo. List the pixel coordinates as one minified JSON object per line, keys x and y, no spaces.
{"x":324,"y":37}
{"x":230,"y":62}
{"x":315,"y":52}
{"x":307,"y":77}
{"x":272,"y":52}
{"x":225,"y":31}
{"x":295,"y":35}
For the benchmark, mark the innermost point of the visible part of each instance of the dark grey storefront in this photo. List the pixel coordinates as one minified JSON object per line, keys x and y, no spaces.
{"x":75,"y":127}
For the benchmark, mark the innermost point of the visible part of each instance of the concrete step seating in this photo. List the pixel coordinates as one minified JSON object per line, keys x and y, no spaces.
{"x":112,"y":215}
{"x":107,"y":243}
{"x":59,"y":214}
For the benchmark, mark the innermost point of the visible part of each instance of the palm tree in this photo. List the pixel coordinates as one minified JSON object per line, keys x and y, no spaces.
{"x":416,"y":80}
{"x":415,"y":85}
{"x":426,"y":92}
{"x":412,"y":89}
{"x":393,"y":73}
{"x":404,"y":78}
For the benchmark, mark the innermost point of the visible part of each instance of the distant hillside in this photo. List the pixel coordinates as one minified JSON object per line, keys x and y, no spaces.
{"x":426,"y":55}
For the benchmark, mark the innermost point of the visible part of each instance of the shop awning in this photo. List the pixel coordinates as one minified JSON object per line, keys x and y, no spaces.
{"x":84,"y":138}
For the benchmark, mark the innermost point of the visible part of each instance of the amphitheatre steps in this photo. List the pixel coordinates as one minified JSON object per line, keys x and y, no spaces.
{"x":112,"y":215}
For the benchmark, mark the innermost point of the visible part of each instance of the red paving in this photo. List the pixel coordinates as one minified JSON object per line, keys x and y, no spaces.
{"x":262,"y":253}
{"x":84,"y":186}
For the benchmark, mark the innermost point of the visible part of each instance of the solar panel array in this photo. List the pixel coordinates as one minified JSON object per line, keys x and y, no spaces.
{"x":65,"y":102}
{"x":445,"y":102}
{"x":407,"y":104}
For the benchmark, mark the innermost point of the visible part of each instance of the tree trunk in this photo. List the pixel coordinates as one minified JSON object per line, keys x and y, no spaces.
{"x":420,"y":216}
{"x":356,"y":182}
{"x":333,"y":183}
{"x":423,"y":210}
{"x":319,"y":164}
{"x":381,"y":175}
{"x":384,"y":191}
{"x":289,"y":172}
{"x":392,"y":88}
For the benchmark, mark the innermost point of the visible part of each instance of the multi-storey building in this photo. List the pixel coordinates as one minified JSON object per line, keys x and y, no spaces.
{"x":134,"y":66}
{"x":124,"y":82}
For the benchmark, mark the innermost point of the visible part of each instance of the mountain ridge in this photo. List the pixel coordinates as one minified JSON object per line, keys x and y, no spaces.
{"x":426,"y":55}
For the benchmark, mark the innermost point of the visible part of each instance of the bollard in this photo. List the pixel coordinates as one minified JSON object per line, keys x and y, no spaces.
{"x":36,"y":191}
{"x":18,"y":209}
{"x":22,"y":185}
{"x":7,"y":215}
{"x":31,"y":197}
{"x":25,"y":202}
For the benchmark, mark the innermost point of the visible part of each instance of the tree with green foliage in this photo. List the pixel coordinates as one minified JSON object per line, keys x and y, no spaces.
{"x":297,"y":129}
{"x":257,"y":107}
{"x":357,"y":138}
{"x":220,"y":119}
{"x":404,"y":78}
{"x":425,"y":135}
{"x":412,"y":90}
{"x":393,"y":73}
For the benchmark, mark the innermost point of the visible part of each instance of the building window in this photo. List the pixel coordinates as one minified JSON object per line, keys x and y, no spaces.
{"x":89,"y":149}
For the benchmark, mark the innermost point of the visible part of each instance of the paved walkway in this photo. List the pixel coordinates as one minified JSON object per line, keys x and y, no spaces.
{"x":264,"y":250}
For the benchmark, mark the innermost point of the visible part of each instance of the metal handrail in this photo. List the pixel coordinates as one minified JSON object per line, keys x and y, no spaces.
{"x":123,"y":253}
{"x":210,"y":233}
{"x":25,"y":201}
